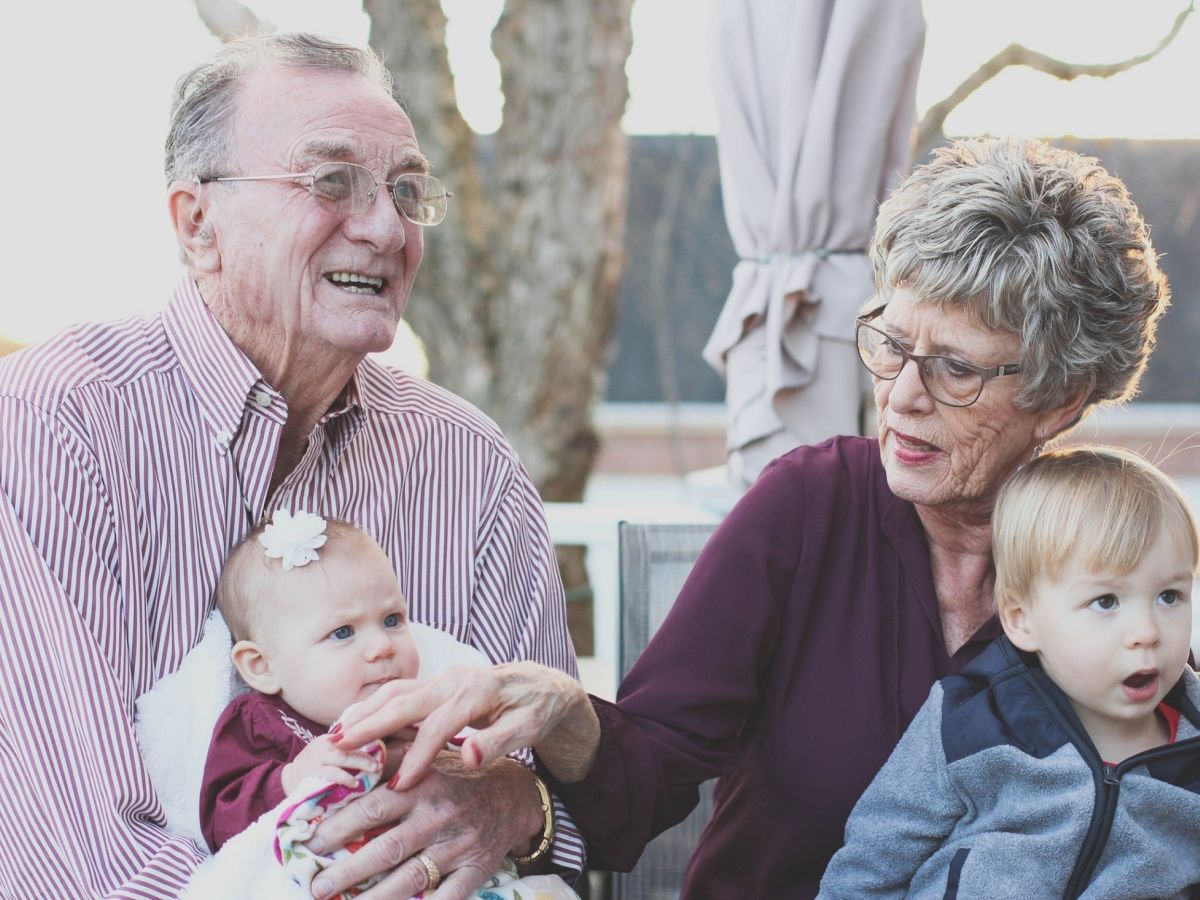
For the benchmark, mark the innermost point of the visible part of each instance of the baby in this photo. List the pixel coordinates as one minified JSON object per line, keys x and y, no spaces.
{"x":1066,"y":757}
{"x":310,"y":641}
{"x":318,"y":623}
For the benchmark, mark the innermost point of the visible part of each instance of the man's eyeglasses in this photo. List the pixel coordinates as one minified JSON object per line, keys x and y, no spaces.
{"x":349,"y":189}
{"x":950,"y":382}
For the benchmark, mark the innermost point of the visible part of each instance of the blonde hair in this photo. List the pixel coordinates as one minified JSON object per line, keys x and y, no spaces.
{"x":247,"y":586}
{"x":1102,"y":505}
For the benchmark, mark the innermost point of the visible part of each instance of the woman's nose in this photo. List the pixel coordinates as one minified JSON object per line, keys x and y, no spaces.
{"x":908,"y":389}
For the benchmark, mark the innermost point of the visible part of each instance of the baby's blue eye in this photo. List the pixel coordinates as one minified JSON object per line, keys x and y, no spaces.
{"x":392,"y":620}
{"x":342,"y":634}
{"x":1106,"y":602}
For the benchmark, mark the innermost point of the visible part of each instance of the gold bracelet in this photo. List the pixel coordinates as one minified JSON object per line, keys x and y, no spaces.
{"x":547,"y":829}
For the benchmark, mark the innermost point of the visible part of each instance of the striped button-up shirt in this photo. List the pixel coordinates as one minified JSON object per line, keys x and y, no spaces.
{"x":133,"y":456}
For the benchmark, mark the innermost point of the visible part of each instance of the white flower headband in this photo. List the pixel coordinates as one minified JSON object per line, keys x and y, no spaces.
{"x":294,"y":539}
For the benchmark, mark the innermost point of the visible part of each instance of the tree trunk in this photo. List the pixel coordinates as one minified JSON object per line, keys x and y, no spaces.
{"x":449,"y":306}
{"x":516,"y":301}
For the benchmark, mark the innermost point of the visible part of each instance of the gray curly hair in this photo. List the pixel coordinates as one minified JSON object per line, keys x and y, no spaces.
{"x":1037,"y":241}
{"x":206,"y":97}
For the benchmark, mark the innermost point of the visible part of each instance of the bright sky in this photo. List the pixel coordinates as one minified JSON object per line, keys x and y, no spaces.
{"x":87,"y":86}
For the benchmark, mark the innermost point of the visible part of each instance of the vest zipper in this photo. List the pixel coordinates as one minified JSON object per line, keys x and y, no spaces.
{"x":1107,"y":778}
{"x":1107,"y":787}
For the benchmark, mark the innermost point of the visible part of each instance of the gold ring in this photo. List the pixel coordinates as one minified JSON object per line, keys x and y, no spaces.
{"x":431,"y":869}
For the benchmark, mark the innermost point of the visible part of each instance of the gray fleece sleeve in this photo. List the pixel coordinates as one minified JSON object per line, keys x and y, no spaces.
{"x":902,"y":818}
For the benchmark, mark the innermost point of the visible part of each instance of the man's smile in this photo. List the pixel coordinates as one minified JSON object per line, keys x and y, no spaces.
{"x":355,"y":282}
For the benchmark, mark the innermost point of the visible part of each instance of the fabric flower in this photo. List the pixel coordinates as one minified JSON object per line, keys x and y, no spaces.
{"x":294,"y":539}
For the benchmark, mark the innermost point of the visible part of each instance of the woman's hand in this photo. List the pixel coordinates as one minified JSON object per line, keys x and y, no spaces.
{"x":471,"y":809}
{"x":514,"y":705}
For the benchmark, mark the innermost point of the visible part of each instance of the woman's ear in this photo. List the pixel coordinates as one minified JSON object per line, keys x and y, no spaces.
{"x":254,"y":667}
{"x":1014,"y":618}
{"x":193,"y":229}
{"x":1054,"y":421}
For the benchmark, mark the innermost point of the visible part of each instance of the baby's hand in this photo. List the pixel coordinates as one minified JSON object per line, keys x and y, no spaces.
{"x":327,"y":762}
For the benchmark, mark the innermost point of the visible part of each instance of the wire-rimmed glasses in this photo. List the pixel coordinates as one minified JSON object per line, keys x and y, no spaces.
{"x":951,"y":382}
{"x":349,"y":189}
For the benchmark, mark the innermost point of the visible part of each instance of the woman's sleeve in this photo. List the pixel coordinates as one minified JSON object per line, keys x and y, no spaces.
{"x":681,"y":709}
{"x":79,"y":817}
{"x":902,"y":818}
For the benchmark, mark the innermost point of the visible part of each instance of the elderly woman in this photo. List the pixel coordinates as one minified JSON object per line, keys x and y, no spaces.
{"x":1017,"y":289}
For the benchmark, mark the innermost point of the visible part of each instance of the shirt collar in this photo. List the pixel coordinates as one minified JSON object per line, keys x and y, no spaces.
{"x":220,"y":374}
{"x":350,"y":400}
{"x":222,"y":377}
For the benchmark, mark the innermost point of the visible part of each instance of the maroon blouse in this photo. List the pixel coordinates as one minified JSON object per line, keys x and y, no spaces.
{"x":254,"y":739}
{"x":802,"y":644}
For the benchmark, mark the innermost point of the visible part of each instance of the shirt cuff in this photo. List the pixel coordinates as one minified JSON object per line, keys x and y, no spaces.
{"x":568,"y":850}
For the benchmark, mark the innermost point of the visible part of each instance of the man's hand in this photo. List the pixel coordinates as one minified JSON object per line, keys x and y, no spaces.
{"x":465,"y":820}
{"x":328,"y":762}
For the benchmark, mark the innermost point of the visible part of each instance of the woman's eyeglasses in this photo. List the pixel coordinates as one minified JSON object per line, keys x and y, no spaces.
{"x":349,"y":189}
{"x":950,"y":382}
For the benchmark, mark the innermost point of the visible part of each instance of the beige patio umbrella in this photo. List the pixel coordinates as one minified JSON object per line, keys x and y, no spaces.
{"x":815,"y":106}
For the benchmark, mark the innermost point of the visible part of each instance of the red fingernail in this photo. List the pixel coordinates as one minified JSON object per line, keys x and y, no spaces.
{"x":393,"y":781}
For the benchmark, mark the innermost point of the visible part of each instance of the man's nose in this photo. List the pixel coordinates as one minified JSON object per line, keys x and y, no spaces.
{"x":380,"y":224}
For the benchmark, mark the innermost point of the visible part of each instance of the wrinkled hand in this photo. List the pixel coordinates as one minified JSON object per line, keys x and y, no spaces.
{"x":328,"y":761}
{"x":513,"y":706}
{"x":465,"y":820}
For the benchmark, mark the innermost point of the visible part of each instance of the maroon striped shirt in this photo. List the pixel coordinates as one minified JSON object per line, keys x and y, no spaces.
{"x":130,"y":453}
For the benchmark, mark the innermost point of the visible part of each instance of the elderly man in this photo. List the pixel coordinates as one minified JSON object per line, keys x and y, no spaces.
{"x":134,"y":455}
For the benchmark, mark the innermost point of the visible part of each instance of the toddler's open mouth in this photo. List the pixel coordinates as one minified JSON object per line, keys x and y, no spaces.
{"x":1141,"y":686}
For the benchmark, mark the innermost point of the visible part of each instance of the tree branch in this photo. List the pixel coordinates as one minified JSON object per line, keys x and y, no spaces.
{"x":930,"y":130}
{"x":228,"y":19}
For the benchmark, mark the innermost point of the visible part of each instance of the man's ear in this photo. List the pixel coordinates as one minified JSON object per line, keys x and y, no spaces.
{"x":254,"y":667}
{"x":193,"y":229}
{"x":1015,"y":620}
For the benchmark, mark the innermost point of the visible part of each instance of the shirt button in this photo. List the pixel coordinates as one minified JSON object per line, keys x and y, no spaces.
{"x":263,"y":399}
{"x":224,"y":439}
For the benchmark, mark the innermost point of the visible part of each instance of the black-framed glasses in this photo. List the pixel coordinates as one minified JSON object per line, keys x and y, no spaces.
{"x":349,"y":189}
{"x":950,"y":382}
